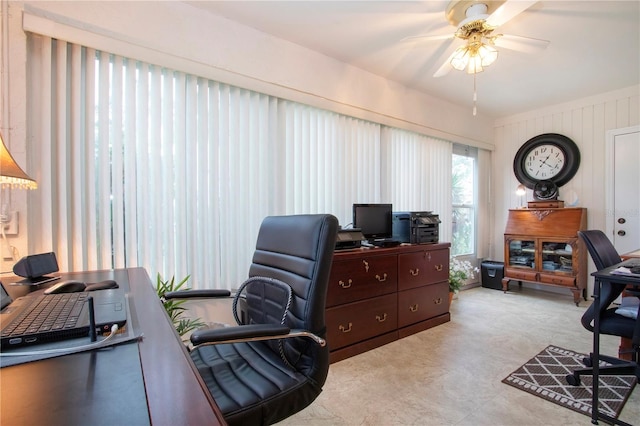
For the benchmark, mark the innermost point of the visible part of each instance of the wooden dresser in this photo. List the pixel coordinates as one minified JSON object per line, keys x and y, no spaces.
{"x":541,"y":245}
{"x":378,"y":295}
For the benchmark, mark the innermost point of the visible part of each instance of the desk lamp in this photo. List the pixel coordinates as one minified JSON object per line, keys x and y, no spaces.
{"x":11,"y":176}
{"x":520,"y":191}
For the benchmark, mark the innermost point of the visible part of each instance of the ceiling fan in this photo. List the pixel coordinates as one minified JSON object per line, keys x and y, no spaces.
{"x":476,"y":21}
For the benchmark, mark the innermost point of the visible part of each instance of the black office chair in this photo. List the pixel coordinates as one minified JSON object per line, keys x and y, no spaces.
{"x":604,"y":255}
{"x":275,"y":362}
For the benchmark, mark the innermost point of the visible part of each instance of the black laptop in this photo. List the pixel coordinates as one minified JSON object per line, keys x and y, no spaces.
{"x":39,"y":318}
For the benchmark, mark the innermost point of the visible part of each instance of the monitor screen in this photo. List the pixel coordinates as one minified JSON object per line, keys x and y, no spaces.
{"x":374,"y":220}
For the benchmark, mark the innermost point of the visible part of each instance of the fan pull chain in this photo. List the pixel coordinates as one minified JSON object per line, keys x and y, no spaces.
{"x":475,"y":95}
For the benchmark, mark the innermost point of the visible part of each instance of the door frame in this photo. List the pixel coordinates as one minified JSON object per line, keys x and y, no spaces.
{"x":609,"y":184}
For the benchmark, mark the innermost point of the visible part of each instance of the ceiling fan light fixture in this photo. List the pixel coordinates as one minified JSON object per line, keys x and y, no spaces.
{"x":488,"y":54}
{"x":475,"y":65}
{"x":461,"y":58}
{"x":473,"y":57}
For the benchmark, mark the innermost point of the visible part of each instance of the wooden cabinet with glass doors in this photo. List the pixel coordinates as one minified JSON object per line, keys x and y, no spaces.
{"x":542,"y":246}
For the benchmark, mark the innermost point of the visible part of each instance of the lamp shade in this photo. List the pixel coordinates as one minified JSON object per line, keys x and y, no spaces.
{"x":474,"y":56}
{"x":11,"y":175}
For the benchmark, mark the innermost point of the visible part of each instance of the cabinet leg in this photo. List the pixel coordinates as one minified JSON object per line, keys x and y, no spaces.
{"x":505,"y":284}
{"x":577,"y":295}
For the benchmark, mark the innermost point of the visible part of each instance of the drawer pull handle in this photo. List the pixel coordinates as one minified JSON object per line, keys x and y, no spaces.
{"x":414,"y":272}
{"x":438,"y":301}
{"x":381,"y":278}
{"x":413,"y":308}
{"x":381,"y":318}
{"x":366,"y":265}
{"x":344,"y":329}
{"x":345,"y":285}
{"x":439,"y":267}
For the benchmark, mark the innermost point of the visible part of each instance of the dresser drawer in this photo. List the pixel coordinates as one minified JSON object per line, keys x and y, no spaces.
{"x":422,"y":267}
{"x":358,"y":321}
{"x":520,"y":274}
{"x":422,"y":303}
{"x":568,"y":281}
{"x":358,"y":279}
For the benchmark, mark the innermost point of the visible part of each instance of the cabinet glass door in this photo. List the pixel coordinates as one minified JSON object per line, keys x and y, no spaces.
{"x":557,"y":256}
{"x":522,"y":253}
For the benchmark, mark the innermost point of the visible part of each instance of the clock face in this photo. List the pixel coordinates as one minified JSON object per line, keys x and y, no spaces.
{"x":544,"y":162}
{"x":547,"y":157}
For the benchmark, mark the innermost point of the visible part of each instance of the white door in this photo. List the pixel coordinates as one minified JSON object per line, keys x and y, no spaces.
{"x":623,"y":188}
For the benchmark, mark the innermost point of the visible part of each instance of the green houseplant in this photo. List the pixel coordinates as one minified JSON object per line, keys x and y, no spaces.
{"x":459,"y":272}
{"x":175,"y":308}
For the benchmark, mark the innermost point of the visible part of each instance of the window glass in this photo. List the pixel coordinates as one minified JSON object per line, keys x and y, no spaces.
{"x":463,"y":202}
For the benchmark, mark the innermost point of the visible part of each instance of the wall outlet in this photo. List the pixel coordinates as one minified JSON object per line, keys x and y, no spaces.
{"x":11,"y":227}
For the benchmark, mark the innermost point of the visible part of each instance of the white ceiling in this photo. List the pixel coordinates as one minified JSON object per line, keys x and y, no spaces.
{"x":594,"y":46}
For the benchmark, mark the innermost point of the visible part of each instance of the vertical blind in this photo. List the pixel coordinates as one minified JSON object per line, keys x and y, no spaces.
{"x":331,"y":160}
{"x":417,"y":172}
{"x":140,"y":165}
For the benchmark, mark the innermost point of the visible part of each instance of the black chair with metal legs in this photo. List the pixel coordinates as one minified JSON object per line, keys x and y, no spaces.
{"x":604,"y":255}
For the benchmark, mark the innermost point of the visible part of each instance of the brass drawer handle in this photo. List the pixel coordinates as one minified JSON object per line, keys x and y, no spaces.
{"x":366,"y":265}
{"x":381,"y":318}
{"x":414,"y":272}
{"x":438,"y":301}
{"x":413,"y":308}
{"x":344,"y":329}
{"x":345,"y":285}
{"x":383,"y":278}
{"x":439,"y":267}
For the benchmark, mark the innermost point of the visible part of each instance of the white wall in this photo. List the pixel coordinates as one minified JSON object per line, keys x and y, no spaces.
{"x":586,"y":122}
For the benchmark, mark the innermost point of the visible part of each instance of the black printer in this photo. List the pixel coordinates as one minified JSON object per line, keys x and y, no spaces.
{"x":415,"y":227}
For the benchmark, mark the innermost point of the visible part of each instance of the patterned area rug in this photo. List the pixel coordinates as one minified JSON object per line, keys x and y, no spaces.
{"x":544,"y":376}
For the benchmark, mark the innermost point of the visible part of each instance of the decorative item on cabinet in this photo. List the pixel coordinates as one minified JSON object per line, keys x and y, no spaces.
{"x":542,"y":246}
{"x":378,"y":295}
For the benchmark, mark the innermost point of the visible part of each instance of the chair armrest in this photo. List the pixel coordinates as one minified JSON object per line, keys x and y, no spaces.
{"x":191,"y":294}
{"x":249,"y":333}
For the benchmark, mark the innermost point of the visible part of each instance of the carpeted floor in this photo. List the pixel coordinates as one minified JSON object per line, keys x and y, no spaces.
{"x":544,"y":376}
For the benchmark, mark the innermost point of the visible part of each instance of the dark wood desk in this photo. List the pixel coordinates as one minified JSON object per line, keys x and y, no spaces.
{"x":151,"y":381}
{"x":603,"y":277}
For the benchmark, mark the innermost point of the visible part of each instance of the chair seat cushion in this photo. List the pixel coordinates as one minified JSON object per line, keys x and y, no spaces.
{"x":629,"y":307}
{"x":242,"y":375}
{"x":614,"y":324}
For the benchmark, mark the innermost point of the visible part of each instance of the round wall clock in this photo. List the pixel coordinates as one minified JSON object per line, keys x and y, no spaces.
{"x":547,"y":157}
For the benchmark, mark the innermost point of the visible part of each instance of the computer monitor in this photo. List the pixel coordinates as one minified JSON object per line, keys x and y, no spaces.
{"x":374,"y":220}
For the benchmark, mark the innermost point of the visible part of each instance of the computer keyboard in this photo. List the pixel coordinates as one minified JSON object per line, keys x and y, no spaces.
{"x":47,"y":313}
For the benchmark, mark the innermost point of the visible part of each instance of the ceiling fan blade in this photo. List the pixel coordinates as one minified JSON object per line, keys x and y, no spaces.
{"x":507,"y":11}
{"x":425,"y":37}
{"x":445,"y":67}
{"x":521,"y":44}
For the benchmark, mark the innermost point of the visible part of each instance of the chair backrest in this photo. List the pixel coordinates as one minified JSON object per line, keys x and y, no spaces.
{"x":298,"y":250}
{"x":604,"y":254}
{"x":602,"y":251}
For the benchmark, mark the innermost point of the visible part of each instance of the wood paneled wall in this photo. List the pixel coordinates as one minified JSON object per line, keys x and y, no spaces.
{"x":586,"y":121}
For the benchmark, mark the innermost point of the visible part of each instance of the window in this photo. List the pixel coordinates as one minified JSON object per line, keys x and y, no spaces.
{"x":463,"y":196}
{"x":147,"y":166}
